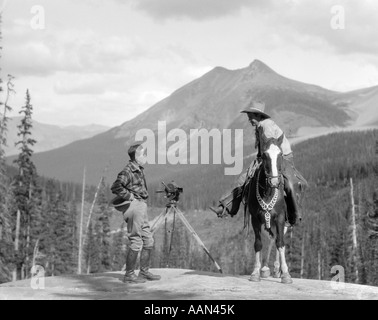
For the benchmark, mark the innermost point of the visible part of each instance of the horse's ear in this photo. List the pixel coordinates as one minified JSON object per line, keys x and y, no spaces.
{"x":280,"y":139}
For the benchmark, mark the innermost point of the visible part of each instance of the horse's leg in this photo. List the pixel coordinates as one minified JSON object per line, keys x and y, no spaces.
{"x":285,"y":278}
{"x":265,"y":271}
{"x":281,"y":230}
{"x":277,"y":264}
{"x":255,"y":276}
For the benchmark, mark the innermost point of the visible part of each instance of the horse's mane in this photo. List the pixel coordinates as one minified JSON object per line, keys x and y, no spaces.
{"x":269,"y":141}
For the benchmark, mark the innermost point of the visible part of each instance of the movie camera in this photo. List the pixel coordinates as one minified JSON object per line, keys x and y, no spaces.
{"x":172,"y":191}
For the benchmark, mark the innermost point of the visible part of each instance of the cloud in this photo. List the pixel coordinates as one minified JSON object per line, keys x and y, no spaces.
{"x":193,"y":9}
{"x":310,"y":21}
{"x":101,"y":56}
{"x":26,"y":54}
{"x":297,"y":21}
{"x":80,"y":84}
{"x":34,"y":58}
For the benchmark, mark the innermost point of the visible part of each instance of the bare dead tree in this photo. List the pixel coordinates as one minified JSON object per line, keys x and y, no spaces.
{"x":354,"y":231}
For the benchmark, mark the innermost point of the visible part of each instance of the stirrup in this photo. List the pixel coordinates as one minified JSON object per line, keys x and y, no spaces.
{"x":219,"y":215}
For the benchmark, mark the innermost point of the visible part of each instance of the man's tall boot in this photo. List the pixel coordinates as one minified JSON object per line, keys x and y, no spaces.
{"x":220,"y":211}
{"x":145,"y":260}
{"x":229,"y":204}
{"x":130,"y":276}
{"x":294,"y":213}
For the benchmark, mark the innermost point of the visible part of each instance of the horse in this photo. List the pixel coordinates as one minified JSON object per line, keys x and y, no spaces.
{"x":266,"y":205}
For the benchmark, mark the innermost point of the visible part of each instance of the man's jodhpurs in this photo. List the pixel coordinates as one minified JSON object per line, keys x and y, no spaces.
{"x":138,"y":228}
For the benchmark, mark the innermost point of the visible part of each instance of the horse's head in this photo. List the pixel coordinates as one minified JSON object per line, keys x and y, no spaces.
{"x":272,"y":162}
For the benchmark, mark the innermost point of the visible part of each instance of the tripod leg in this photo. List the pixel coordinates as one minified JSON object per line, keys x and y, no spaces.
{"x":158,"y":222}
{"x":171,"y":241}
{"x":195,"y":235}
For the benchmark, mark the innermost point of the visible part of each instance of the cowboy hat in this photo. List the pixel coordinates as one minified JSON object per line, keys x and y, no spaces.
{"x":256,"y":107}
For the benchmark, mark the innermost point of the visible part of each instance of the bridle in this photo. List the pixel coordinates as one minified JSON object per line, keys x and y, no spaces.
{"x":270,"y":177}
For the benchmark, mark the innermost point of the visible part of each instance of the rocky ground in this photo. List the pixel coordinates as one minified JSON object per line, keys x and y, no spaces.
{"x":178,"y":284}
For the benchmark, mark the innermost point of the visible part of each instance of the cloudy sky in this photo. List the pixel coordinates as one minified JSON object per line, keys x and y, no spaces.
{"x":106,"y":61}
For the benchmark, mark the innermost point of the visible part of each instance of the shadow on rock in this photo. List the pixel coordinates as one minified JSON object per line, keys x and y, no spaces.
{"x":205,"y":273}
{"x":109,"y":286}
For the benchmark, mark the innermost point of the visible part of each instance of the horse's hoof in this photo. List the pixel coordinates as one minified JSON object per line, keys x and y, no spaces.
{"x":286,"y":279}
{"x":265,"y":273}
{"x":255,"y":278}
{"x":277,"y":274}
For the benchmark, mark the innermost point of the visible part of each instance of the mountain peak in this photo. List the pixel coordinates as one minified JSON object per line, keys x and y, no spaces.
{"x":258,"y":66}
{"x":218,"y":70}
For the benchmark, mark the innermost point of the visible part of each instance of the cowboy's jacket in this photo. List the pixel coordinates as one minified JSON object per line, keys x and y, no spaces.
{"x":268,"y":129}
{"x":131,"y":181}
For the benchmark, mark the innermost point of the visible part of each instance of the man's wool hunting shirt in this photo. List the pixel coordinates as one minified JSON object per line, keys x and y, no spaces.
{"x":268,"y":129}
{"x":131,"y":180}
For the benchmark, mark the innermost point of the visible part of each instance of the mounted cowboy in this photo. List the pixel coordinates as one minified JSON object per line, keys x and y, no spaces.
{"x":266,"y":129}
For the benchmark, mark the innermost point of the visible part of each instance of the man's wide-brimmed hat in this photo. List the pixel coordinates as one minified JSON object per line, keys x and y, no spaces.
{"x":120,"y":204}
{"x":256,"y":107}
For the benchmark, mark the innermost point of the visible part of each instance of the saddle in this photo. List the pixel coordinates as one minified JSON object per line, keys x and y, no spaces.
{"x":250,"y":174}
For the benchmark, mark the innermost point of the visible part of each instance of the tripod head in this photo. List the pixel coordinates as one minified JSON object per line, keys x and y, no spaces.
{"x":172,"y":192}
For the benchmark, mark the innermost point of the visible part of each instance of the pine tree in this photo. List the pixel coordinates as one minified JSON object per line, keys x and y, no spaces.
{"x":92,"y":249}
{"x":6,"y":247}
{"x":63,"y":237}
{"x":118,"y":250}
{"x":25,"y":185}
{"x":74,"y":231}
{"x":294,"y":240}
{"x":47,"y":221}
{"x":56,"y":239}
{"x":104,"y":214}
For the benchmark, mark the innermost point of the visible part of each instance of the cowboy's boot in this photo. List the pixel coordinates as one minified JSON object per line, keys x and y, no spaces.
{"x":229,"y":204}
{"x":298,"y":191}
{"x":294,"y":213}
{"x":130,"y":276}
{"x":144,"y":272}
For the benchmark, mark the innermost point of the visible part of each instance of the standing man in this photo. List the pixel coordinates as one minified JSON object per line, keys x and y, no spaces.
{"x":132,"y":194}
{"x":265,"y":129}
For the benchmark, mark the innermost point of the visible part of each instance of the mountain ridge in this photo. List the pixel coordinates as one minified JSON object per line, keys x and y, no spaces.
{"x":214,"y":101}
{"x":49,"y":136}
